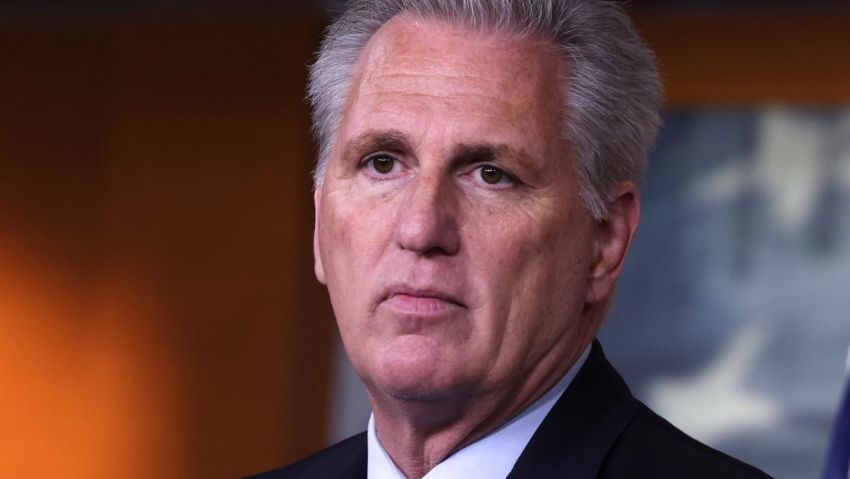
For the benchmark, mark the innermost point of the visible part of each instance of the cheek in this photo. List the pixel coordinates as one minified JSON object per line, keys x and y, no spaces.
{"x":354,"y":231}
{"x":353,"y":235}
{"x":534,"y":271}
{"x":338,"y":237}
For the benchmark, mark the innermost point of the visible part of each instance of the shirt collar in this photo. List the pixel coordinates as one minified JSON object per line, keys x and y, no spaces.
{"x":493,"y":455}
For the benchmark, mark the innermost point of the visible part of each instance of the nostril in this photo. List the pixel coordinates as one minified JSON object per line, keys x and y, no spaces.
{"x":436,"y":251}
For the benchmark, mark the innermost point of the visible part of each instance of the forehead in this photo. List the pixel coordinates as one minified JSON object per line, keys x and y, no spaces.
{"x":412,"y":43}
{"x":413,"y":67}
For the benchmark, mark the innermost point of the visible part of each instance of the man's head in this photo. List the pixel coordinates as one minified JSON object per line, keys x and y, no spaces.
{"x":611,"y":88}
{"x":476,"y":186}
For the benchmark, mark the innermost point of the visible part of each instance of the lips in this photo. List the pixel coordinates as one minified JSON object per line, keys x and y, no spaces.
{"x":421,"y":301}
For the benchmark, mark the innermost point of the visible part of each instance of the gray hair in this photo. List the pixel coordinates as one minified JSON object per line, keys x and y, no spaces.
{"x":612,"y":92}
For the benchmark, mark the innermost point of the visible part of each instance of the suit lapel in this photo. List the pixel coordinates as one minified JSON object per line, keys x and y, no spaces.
{"x":580,"y":429}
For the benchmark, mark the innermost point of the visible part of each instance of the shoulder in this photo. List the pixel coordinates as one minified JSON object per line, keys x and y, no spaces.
{"x":652,"y":447}
{"x":345,"y":458}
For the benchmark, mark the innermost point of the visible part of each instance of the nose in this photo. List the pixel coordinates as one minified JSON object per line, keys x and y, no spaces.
{"x":428,"y":220}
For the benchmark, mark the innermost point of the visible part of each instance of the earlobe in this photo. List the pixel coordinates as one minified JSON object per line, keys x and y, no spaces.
{"x":614,"y":235}
{"x":317,"y":251}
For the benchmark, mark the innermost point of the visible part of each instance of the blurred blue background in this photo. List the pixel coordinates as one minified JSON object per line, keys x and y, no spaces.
{"x":733,"y":318}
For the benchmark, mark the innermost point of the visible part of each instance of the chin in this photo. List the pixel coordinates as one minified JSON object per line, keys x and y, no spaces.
{"x":414,"y":395}
{"x":416,"y":372}
{"x":419,"y":391}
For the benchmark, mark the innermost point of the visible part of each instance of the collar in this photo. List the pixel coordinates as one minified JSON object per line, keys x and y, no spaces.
{"x":493,"y":455}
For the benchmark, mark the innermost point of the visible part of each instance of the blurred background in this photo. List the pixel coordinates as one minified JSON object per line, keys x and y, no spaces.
{"x":158,"y":312}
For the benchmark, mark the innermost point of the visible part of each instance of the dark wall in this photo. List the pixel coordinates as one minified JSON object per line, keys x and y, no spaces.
{"x":158,"y":312}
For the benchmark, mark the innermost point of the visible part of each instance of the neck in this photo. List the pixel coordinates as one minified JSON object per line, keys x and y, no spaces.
{"x":418,"y":435}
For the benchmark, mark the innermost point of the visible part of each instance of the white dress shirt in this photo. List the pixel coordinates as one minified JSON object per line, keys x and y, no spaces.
{"x":492,"y":456}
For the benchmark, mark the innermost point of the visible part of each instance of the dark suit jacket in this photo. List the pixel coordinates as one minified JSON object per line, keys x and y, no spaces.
{"x":597,"y":429}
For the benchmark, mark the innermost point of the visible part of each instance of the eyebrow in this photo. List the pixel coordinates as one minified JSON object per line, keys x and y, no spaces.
{"x":392,"y":140}
{"x":484,"y":152}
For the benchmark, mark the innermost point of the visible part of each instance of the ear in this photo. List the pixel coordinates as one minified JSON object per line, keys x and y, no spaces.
{"x":614,"y":235}
{"x":317,"y":250}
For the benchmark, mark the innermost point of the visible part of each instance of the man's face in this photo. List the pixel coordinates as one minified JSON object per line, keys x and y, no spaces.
{"x":450,"y":231}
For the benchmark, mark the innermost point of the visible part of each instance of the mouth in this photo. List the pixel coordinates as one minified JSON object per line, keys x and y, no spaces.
{"x":421,"y":302}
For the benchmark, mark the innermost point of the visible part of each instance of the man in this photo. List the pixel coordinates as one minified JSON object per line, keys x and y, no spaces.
{"x":475,"y":199}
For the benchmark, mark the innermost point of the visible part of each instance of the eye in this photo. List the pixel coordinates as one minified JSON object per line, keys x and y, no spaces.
{"x":381,"y":164}
{"x":493,"y":176}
